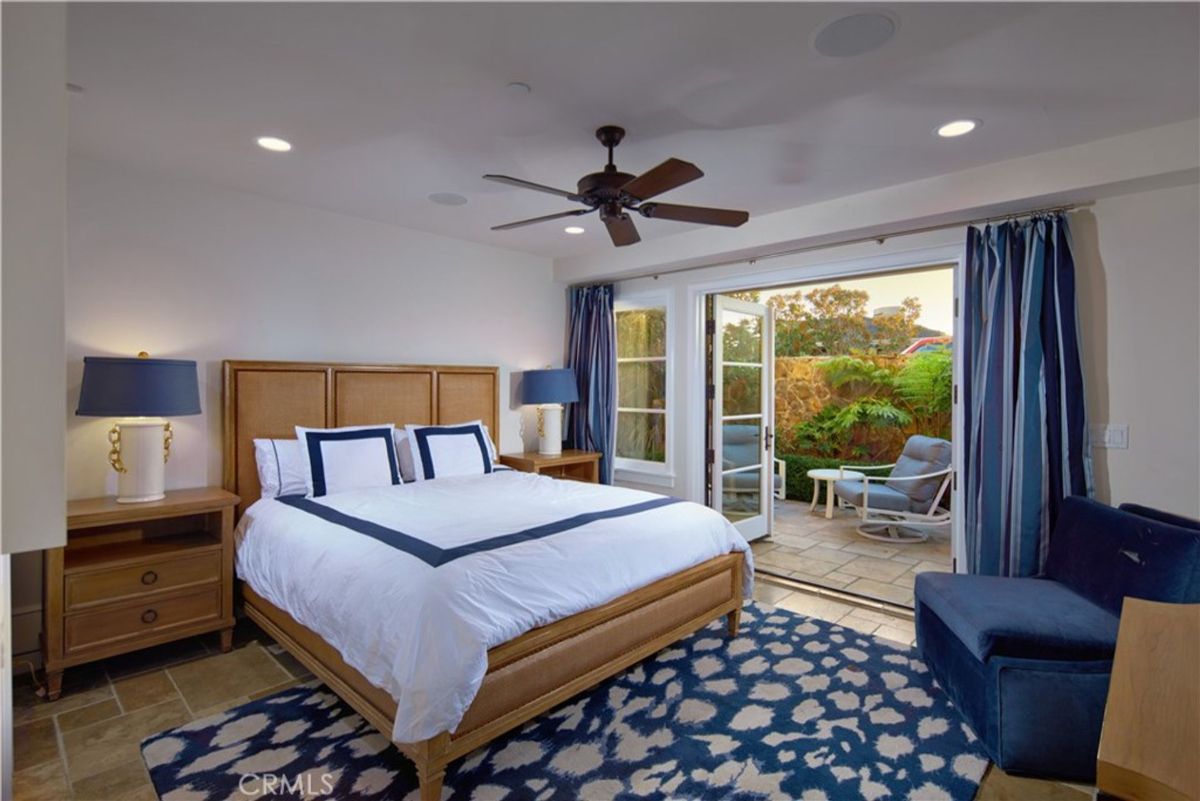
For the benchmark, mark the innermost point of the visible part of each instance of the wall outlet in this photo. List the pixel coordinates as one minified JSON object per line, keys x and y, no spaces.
{"x":1110,"y":435}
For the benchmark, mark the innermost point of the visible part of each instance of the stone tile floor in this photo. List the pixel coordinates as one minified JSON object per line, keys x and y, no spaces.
{"x":85,"y":746}
{"x":828,"y":553}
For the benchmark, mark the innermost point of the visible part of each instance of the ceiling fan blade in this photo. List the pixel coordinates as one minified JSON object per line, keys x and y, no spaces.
{"x":521,"y":184}
{"x":694,"y":214}
{"x":622,"y":230}
{"x":666,"y":176}
{"x":532,"y":220}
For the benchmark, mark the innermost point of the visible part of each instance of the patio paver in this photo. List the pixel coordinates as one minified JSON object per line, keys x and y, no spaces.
{"x":831,"y":553}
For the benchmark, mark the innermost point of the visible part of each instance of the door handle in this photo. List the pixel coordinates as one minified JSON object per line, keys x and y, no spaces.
{"x":767,"y":437}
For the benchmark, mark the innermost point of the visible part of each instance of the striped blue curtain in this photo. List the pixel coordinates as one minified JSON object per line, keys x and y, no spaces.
{"x":592,"y":354}
{"x":1025,"y":424}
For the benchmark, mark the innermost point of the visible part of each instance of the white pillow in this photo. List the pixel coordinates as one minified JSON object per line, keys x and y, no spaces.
{"x":282,"y":467}
{"x":408,"y":473}
{"x":462,"y":449}
{"x":353,"y":457}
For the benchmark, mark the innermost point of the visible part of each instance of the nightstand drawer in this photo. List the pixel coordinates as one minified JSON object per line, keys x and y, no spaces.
{"x":81,"y":590}
{"x":113,"y":624}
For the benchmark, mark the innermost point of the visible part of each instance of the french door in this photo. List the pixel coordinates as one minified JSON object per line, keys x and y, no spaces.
{"x":741,"y":459}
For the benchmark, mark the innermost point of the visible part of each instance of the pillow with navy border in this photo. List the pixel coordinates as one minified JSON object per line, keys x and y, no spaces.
{"x":282,"y":467}
{"x":349,"y":458}
{"x":462,"y":449}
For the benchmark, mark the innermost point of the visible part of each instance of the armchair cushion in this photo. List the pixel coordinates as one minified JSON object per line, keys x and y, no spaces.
{"x":921,"y":455}
{"x":1105,"y":554}
{"x":880,"y":496}
{"x":1027,"y":618}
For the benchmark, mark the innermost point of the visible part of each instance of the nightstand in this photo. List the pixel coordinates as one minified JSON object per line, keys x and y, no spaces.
{"x":134,"y":575}
{"x":570,"y":464}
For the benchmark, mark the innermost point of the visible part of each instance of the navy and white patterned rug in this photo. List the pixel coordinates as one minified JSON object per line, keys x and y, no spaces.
{"x":793,"y":708}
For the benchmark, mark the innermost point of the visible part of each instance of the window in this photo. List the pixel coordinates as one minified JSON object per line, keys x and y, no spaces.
{"x":642,"y":380}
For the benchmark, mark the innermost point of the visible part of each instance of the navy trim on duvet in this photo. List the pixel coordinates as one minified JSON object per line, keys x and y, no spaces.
{"x":435,"y":556}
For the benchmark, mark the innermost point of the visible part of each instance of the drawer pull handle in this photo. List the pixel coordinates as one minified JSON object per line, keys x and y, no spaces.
{"x":149,"y":616}
{"x":149,"y":577}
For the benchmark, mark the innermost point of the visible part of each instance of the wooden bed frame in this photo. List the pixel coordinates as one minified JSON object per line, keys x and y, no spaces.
{"x":526,"y":676}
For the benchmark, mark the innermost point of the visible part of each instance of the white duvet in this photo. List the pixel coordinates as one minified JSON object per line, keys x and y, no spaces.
{"x":422,"y":632}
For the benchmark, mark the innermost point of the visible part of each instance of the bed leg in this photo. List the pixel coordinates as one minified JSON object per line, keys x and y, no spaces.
{"x":431,"y":783}
{"x":733,"y":619}
{"x":430,"y":758}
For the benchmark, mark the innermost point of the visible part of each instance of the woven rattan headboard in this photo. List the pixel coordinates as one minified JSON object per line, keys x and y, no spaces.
{"x":268,"y":399}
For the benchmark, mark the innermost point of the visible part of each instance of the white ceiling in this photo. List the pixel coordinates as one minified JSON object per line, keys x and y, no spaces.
{"x":386,"y":104}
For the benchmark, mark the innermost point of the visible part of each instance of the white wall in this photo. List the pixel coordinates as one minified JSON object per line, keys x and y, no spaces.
{"x":1139,"y":287}
{"x":1139,"y":291}
{"x":32,"y":254}
{"x":184,"y":270}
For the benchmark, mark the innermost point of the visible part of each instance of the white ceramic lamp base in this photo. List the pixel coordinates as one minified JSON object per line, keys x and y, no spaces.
{"x":550,"y":429}
{"x":142,"y":455}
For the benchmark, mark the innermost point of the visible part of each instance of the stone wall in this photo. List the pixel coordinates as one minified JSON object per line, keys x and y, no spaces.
{"x":800,"y":389}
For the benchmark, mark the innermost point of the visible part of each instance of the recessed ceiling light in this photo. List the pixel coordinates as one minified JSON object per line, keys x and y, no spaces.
{"x":957,"y":128}
{"x":274,"y":144}
{"x":447,"y":199}
{"x":573,"y":229}
{"x":855,"y":35}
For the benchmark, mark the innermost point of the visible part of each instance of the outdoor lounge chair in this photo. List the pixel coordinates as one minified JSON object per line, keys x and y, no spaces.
{"x":741,"y":447}
{"x":906,"y":504}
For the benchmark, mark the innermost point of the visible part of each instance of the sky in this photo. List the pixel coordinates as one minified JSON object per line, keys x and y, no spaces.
{"x":933,"y":287}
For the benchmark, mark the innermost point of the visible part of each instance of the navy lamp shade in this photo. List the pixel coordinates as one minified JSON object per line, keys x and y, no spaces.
{"x":140,"y":392}
{"x":549,"y":386}
{"x":143,"y":387}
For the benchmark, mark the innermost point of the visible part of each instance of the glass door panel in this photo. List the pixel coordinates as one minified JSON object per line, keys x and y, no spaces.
{"x":742,"y":412}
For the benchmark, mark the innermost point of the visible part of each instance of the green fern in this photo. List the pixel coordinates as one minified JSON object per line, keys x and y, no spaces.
{"x":925,"y":383}
{"x":859,"y":375}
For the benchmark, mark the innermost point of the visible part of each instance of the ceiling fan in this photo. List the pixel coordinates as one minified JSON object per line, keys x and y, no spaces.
{"x":614,"y":193}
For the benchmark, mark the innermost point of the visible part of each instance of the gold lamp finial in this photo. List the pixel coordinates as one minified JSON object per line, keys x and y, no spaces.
{"x":143,"y":355}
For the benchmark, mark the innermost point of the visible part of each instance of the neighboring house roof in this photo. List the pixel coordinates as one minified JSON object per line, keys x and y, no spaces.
{"x":927,"y":344}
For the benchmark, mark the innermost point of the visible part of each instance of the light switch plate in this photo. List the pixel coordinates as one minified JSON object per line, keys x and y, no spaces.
{"x":1110,"y":435}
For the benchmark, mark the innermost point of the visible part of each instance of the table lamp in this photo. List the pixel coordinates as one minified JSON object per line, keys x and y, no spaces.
{"x":140,"y":392}
{"x":549,"y":389}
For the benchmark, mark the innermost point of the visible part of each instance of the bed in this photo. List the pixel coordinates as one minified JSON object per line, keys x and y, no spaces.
{"x":524,"y":671}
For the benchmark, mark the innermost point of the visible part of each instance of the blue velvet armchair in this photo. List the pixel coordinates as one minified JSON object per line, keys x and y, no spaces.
{"x":1027,"y":660}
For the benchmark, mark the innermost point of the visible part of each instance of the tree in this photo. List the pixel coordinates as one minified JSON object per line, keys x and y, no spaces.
{"x":894,"y":332}
{"x":834,"y":321}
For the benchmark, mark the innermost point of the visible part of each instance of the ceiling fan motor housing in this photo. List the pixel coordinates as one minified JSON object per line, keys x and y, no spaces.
{"x":597,"y":187}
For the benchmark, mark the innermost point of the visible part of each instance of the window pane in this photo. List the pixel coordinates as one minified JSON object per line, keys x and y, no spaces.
{"x":741,"y":494}
{"x":742,"y":390}
{"x":741,"y":444}
{"x":642,"y":385}
{"x":642,"y":332}
{"x":642,"y":435}
{"x":741,"y":336}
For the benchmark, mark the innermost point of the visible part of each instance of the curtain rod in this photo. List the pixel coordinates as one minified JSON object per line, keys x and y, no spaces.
{"x":880,"y":238}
